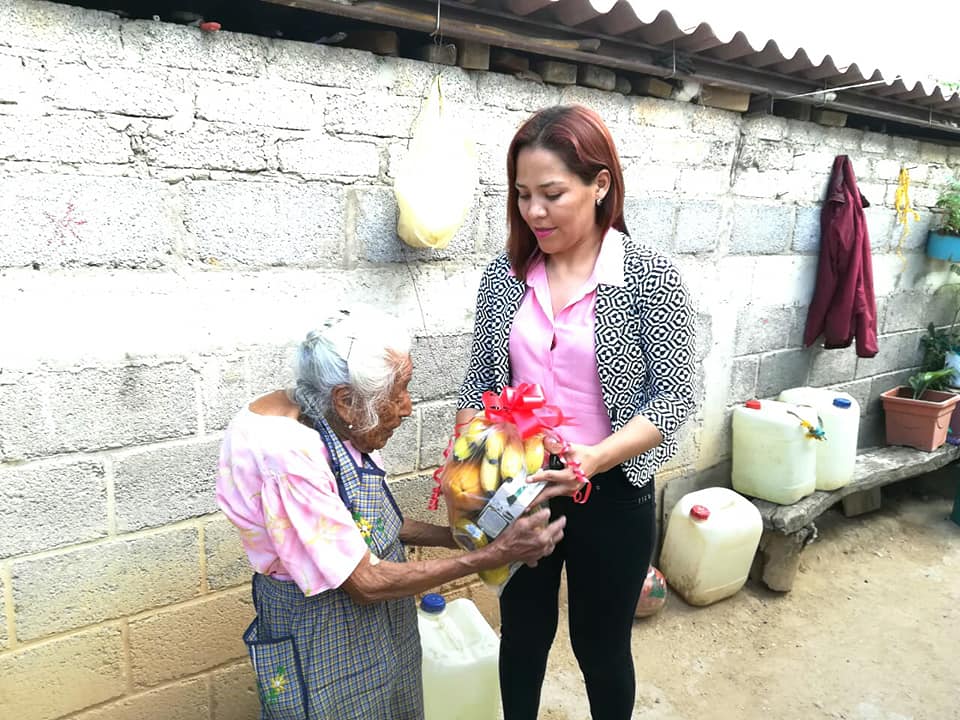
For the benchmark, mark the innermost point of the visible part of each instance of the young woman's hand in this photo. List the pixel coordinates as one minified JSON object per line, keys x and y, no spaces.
{"x":565,"y":481}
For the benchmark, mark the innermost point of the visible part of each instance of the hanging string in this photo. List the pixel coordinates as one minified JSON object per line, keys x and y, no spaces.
{"x":904,"y":211}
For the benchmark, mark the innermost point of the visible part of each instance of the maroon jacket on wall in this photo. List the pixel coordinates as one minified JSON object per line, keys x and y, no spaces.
{"x":843,"y":305}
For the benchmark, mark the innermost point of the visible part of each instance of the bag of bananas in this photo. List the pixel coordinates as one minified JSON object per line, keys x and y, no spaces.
{"x":484,"y":477}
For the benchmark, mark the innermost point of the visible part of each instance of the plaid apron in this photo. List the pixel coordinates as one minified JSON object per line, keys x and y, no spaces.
{"x":325,"y":657}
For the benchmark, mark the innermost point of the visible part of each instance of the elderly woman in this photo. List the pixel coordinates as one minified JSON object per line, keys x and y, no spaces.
{"x":335,"y":635}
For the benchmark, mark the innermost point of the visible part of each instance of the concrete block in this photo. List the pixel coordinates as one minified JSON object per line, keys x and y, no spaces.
{"x":4,"y":640}
{"x":782,"y":370}
{"x":828,"y":367}
{"x":612,"y":107}
{"x":494,"y":238}
{"x":799,"y":325}
{"x":56,"y":678}
{"x":400,"y":453}
{"x":906,"y":148}
{"x":933,"y":152}
{"x":873,"y":431}
{"x":63,"y":29}
{"x":62,"y":138}
{"x":594,"y":76}
{"x":227,"y":563}
{"x":768,"y":184}
{"x":473,"y":55}
{"x":187,"y":700}
{"x":413,"y":78}
{"x":506,"y":61}
{"x":725,"y":98}
{"x":439,"y":365}
{"x":323,"y":65}
{"x":911,"y":353}
{"x":19,"y":81}
{"x":556,"y":72}
{"x":51,"y":504}
{"x":514,"y":93}
{"x":806,"y":230}
{"x":377,"y":115}
{"x":652,"y":86}
{"x":104,"y":581}
{"x":813,"y":161}
{"x":765,"y":127}
{"x":210,"y":146}
{"x":880,"y":384}
{"x":765,"y":155}
{"x":782,"y":279}
{"x":762,"y":328}
{"x":670,"y":115}
{"x":704,"y":181}
{"x":271,"y":367}
{"x":181,"y":641}
{"x":743,"y":379}
{"x":760,"y":229}
{"x":292,"y":225}
{"x":259,"y":102}
{"x":906,"y":311}
{"x":224,"y":390}
{"x":321,"y":155}
{"x":156,"y":43}
{"x":412,"y":495}
{"x":700,"y":227}
{"x":163,"y":485}
{"x":889,"y":356}
{"x":862,"y":502}
{"x":881,"y":227}
{"x":234,"y":693}
{"x":376,"y":230}
{"x":677,"y":150}
{"x":954,"y":158}
{"x":644,"y":178}
{"x":875,"y":142}
{"x":62,"y":221}
{"x":623,"y":85}
{"x":157,"y":94}
{"x":652,"y":220}
{"x":57,"y":412}
{"x":436,"y":426}
{"x":829,"y":118}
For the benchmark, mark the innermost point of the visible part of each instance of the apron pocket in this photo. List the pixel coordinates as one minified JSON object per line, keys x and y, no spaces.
{"x":276,"y":663}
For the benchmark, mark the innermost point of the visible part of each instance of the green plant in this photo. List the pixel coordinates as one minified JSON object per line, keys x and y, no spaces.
{"x":923,"y":381}
{"x":949,"y":202}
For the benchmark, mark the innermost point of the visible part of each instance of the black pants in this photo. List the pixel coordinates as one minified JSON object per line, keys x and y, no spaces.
{"x":606,"y":547}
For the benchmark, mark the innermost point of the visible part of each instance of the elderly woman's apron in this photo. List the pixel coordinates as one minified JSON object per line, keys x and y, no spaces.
{"x":325,"y":657}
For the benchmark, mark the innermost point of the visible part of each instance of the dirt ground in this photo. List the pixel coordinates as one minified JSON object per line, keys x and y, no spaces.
{"x":871,"y":631}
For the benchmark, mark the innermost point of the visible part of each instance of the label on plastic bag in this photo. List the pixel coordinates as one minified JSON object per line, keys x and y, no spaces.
{"x":507,"y":504}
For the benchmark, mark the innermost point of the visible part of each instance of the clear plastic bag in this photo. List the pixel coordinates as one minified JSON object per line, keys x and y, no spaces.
{"x":484,"y":484}
{"x":437,"y":179}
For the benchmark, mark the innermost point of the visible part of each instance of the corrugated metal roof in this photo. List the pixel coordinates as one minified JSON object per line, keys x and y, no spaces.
{"x":738,"y":34}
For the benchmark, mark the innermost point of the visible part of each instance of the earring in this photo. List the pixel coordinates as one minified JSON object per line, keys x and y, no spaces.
{"x":350,"y":426}
{"x":599,"y":201}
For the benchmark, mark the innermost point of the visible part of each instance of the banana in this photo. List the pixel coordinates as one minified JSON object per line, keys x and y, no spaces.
{"x":533,"y":453}
{"x":462,"y":449}
{"x":496,"y":441}
{"x":496,"y":576}
{"x":489,"y":475}
{"x":511,"y":463}
{"x":475,"y":430}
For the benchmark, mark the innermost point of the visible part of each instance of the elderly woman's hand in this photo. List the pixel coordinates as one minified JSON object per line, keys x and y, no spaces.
{"x":530,"y":538}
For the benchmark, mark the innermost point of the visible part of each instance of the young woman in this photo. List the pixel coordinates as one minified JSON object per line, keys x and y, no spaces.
{"x":603,"y":324}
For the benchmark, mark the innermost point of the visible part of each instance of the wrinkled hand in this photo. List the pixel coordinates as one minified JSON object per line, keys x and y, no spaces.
{"x":530,"y":538}
{"x":564,"y":482}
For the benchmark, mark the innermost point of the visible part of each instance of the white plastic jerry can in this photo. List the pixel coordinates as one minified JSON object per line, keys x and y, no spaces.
{"x":775,"y":450}
{"x":460,"y":656}
{"x":712,"y":536}
{"x":840,"y":414}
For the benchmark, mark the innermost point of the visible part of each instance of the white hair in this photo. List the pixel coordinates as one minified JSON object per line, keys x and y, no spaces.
{"x":357,"y":348}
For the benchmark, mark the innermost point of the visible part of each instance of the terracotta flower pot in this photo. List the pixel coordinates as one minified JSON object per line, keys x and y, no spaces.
{"x":920,"y":424}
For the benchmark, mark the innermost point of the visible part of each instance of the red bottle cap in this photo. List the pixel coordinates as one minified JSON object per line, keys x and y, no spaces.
{"x":752,"y":404}
{"x":699,"y":512}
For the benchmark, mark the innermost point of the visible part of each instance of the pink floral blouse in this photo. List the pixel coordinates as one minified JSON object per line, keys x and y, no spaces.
{"x":275,"y":484}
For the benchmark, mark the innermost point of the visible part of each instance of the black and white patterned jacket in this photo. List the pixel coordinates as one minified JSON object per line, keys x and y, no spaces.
{"x":644,"y":345}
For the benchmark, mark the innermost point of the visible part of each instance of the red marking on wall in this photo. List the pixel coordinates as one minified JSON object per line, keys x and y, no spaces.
{"x":65,"y":225}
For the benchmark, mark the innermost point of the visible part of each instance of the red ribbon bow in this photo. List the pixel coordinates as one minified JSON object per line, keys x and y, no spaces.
{"x":525,"y":407}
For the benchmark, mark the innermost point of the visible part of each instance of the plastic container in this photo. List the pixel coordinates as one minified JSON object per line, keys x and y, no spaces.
{"x":774,"y":454}
{"x":460,"y":655}
{"x":840,"y":415}
{"x":712,"y":536}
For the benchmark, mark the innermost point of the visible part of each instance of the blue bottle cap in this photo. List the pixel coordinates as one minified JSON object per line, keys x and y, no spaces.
{"x":841,"y":402}
{"x":432,"y":603}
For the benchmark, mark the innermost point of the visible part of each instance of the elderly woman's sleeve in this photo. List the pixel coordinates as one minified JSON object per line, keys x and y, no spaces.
{"x":480,"y":372}
{"x":666,"y":331}
{"x":311,"y":529}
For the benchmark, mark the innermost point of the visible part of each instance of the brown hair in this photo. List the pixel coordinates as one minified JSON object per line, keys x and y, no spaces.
{"x":580,"y":138}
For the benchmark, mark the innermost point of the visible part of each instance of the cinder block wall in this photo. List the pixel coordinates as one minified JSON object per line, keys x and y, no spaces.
{"x":177,"y":208}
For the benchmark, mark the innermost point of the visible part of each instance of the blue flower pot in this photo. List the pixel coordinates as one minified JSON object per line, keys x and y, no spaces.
{"x":943,"y":247}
